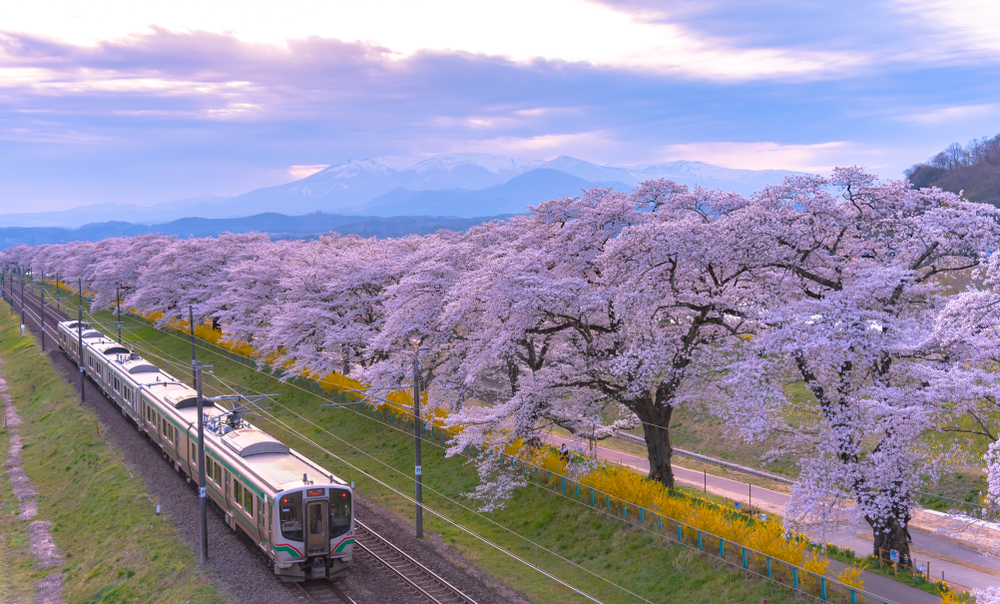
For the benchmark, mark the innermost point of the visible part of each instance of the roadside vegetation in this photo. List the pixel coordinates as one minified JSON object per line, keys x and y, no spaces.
{"x":602,"y":545}
{"x":103,"y":520}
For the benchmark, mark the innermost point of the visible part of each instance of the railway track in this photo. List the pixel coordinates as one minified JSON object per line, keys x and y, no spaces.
{"x":423,"y":582}
{"x":413,"y":574}
{"x":324,"y":592}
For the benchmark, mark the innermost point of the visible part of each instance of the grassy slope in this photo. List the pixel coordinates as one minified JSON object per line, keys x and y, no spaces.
{"x":625,"y":556}
{"x":117,"y":549}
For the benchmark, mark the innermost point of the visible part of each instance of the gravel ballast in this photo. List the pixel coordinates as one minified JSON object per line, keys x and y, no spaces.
{"x":236,"y":564}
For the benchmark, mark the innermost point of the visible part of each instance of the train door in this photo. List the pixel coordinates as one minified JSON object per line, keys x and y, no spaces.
{"x":261,"y":523}
{"x":318,"y":535}
{"x":229,"y":500}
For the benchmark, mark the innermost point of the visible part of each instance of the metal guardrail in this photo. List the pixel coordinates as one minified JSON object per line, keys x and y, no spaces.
{"x":632,"y":438}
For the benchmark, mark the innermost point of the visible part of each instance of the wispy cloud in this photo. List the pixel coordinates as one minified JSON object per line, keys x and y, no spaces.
{"x":953,"y":114}
{"x":519,"y":30}
{"x":815,"y":158}
{"x":299,"y":172}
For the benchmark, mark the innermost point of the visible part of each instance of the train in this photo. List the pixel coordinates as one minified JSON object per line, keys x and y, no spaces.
{"x":300,"y":515}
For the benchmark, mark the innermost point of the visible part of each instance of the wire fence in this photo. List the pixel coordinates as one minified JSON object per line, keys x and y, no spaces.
{"x":797,"y":578}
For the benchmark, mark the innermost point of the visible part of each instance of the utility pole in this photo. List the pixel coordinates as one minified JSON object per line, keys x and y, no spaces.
{"x":194,"y":371}
{"x":58,"y":308}
{"x":79,"y":342}
{"x":201,"y":469}
{"x":42,"y":315}
{"x":22,"y":300}
{"x":416,"y":438}
{"x":118,"y":303}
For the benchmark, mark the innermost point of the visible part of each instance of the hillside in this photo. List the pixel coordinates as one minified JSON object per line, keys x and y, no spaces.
{"x":466,"y":185}
{"x":278,"y":226}
{"x":973,"y":169}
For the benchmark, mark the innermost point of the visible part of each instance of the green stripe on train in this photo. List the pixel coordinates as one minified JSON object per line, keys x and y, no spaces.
{"x":344,"y":544}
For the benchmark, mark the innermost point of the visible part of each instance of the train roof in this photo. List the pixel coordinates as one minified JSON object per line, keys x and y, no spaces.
{"x":272,"y":461}
{"x":110,"y":348}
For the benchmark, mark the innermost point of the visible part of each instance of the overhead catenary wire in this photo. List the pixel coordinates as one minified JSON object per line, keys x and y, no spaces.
{"x":165,"y":356}
{"x":962,"y":503}
{"x":296,"y":433}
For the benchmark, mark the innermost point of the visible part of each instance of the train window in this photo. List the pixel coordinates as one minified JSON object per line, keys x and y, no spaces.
{"x":238,"y":493}
{"x":218,"y":473}
{"x":340,"y":512}
{"x":248,"y":500}
{"x":194,"y":453}
{"x":290,"y":515}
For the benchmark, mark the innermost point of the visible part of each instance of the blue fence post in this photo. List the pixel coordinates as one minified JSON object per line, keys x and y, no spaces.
{"x":550,"y":478}
{"x":563,"y":479}
{"x":822,"y":588}
{"x":795,"y":577}
{"x":722,"y":548}
{"x":680,"y":532}
{"x":768,"y":567}
{"x":608,"y":497}
{"x":624,"y":511}
{"x":659,"y":521}
{"x":641,"y":518}
{"x":744,"y":557}
{"x":854,"y":597}
{"x":592,"y":496}
{"x":699,"y":542}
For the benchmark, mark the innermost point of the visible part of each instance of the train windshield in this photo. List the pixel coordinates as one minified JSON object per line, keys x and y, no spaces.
{"x":340,"y":512}
{"x":290,"y":515}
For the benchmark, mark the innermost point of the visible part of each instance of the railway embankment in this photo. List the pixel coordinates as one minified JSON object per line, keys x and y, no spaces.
{"x":76,"y":525}
{"x":588,"y":548}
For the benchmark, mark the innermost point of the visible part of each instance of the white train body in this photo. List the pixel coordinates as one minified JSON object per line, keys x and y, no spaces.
{"x":299,"y":514}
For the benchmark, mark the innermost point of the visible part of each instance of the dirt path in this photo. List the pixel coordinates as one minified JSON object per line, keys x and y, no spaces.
{"x":43,"y":548}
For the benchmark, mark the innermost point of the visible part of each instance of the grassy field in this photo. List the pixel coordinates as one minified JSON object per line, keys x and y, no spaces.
{"x":591,"y":550}
{"x":116,"y":548}
{"x":17,"y":568}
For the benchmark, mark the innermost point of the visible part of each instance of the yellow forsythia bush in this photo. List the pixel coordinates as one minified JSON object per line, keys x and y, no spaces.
{"x":623,"y":485}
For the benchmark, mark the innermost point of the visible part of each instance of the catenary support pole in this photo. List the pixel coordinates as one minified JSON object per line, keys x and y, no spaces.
{"x":22,"y":299}
{"x":202,"y":516}
{"x":193,"y":361}
{"x":42,"y":315}
{"x":118,"y":303}
{"x":416,"y":440}
{"x":79,"y":342}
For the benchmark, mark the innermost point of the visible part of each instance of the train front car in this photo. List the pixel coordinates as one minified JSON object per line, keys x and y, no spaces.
{"x":316,"y":527}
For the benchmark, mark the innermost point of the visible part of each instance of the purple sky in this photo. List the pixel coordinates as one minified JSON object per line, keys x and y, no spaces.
{"x":140,"y":104}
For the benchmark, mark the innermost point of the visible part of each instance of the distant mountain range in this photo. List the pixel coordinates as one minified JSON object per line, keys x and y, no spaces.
{"x":278,"y":226}
{"x":462,"y":185}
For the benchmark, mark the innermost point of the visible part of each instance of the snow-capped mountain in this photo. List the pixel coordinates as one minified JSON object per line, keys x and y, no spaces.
{"x":358,"y":186}
{"x":455,"y":184}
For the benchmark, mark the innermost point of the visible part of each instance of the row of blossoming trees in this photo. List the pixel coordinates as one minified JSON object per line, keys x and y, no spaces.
{"x":611,"y":310}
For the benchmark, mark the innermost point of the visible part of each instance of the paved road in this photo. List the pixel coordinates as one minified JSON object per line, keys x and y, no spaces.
{"x":943,"y":554}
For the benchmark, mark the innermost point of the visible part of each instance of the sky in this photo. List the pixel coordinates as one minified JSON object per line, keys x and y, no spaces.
{"x":144,"y":102}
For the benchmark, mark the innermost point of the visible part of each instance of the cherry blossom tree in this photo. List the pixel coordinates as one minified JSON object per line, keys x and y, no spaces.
{"x":856,"y":281}
{"x":188,"y":273}
{"x":598,"y":312}
{"x":117,"y":265}
{"x":331,"y":306}
{"x":414,"y":309}
{"x":247,"y":297}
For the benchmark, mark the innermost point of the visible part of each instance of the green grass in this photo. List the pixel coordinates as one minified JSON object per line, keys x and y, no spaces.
{"x":116,"y":548}
{"x":17,"y":568}
{"x":626,"y":556}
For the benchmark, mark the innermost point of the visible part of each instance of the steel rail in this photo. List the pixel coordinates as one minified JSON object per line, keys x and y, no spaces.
{"x":451,"y":589}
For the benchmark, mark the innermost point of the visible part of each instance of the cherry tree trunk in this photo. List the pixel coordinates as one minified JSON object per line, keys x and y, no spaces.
{"x":891,"y":537}
{"x":656,"y":430}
